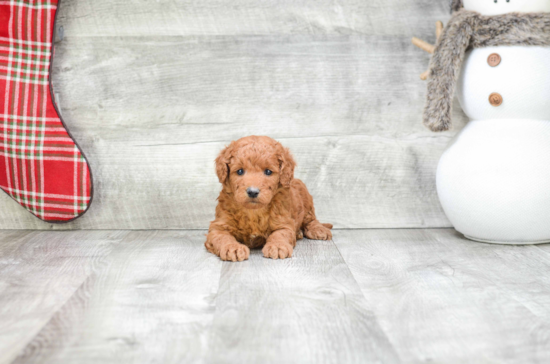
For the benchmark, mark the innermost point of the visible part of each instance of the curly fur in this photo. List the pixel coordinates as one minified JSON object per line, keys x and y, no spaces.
{"x":280,"y":215}
{"x":466,"y":30}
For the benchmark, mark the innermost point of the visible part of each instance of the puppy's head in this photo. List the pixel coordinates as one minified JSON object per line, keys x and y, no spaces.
{"x":253,"y":169}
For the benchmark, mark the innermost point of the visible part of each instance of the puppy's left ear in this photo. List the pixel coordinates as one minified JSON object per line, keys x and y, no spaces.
{"x":286,"y":166}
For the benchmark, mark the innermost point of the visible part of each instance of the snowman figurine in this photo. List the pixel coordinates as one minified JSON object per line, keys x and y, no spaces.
{"x":493,"y":180}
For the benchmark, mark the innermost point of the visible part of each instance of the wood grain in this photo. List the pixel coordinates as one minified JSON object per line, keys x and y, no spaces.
{"x":442,"y":298}
{"x":128,"y":18}
{"x":307,"y":309}
{"x":39,"y":273}
{"x":386,"y":296}
{"x":152,"y":302}
{"x":182,"y":90}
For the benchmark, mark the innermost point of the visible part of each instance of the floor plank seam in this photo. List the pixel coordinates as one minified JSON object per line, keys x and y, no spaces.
{"x":215,"y":311}
{"x":94,"y":274}
{"x":40,"y":331}
{"x":388,"y":338}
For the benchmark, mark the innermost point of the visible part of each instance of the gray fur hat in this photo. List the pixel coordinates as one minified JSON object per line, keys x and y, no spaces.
{"x":456,"y":5}
{"x":469,"y":29}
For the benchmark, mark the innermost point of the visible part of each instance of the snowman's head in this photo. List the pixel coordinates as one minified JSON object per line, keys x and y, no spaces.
{"x":497,"y":7}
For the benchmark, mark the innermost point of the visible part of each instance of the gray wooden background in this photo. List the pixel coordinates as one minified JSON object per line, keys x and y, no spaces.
{"x":152,"y":90}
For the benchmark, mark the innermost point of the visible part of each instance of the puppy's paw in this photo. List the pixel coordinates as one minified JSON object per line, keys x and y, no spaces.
{"x":211,"y":248}
{"x":317,"y":231}
{"x":276,"y":250}
{"x":234,"y":252}
{"x":299,"y":235}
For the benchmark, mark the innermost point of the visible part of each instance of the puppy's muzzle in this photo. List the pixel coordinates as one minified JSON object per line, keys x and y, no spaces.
{"x":252,"y":192}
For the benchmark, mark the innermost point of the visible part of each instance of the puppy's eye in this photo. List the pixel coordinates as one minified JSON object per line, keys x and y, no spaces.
{"x":268,"y":172}
{"x":240,"y":172}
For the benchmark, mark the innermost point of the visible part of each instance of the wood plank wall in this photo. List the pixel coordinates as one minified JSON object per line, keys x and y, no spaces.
{"x":152,"y":90}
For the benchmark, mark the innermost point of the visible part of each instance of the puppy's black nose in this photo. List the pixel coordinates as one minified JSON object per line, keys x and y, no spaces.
{"x":252,"y":192}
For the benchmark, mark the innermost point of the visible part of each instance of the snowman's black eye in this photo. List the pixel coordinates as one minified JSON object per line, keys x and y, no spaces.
{"x":268,"y":172}
{"x":240,"y":172}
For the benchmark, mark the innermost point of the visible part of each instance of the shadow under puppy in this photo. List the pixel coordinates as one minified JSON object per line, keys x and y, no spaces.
{"x":261,"y":203}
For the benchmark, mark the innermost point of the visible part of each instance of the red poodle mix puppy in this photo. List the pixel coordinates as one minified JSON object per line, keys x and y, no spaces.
{"x":261,"y":203}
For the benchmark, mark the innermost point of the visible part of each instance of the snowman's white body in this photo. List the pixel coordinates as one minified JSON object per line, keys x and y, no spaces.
{"x":493,"y":180}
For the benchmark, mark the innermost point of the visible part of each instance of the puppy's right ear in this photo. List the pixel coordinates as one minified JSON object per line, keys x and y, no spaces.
{"x":222,"y":163}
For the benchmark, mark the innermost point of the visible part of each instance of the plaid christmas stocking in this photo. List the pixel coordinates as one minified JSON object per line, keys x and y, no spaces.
{"x":41,"y":167}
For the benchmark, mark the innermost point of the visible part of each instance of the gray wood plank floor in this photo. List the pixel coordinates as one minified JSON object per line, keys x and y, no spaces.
{"x":388,"y":296}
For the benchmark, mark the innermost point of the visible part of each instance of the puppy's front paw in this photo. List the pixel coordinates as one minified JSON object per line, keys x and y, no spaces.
{"x":277,"y":250}
{"x":318,"y":232}
{"x":234,"y":252}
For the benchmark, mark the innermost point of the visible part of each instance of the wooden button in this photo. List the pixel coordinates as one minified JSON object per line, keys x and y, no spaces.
{"x":495,"y":99}
{"x":494,"y":60}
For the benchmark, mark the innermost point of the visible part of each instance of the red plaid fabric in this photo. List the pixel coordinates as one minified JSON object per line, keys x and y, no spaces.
{"x":41,"y":167}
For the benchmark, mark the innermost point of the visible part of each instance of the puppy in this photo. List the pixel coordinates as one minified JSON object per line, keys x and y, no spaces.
{"x":261,"y":203}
